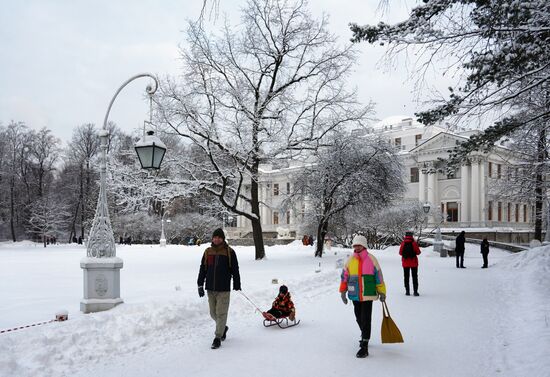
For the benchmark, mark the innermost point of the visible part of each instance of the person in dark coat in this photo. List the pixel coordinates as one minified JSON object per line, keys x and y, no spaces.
{"x":459,"y":249}
{"x":218,"y":266}
{"x":409,"y":251}
{"x":485,"y":252}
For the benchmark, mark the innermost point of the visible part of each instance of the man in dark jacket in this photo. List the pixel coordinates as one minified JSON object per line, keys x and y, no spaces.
{"x":409,"y":252}
{"x":218,"y":265}
{"x":485,"y":252}
{"x":459,"y":249}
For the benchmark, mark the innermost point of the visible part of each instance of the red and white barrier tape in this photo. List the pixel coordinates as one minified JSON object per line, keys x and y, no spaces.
{"x":27,"y":326}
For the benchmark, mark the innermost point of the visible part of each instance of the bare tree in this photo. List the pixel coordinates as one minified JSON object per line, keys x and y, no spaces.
{"x":525,"y":173}
{"x":273,"y":88}
{"x":500,"y":46}
{"x":47,"y":217}
{"x":44,"y":152}
{"x":16,"y":139}
{"x":349,"y":172}
{"x":83,"y":151}
{"x":393,"y":222}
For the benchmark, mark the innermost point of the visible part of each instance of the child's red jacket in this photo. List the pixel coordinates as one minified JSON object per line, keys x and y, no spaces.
{"x":283,"y":303}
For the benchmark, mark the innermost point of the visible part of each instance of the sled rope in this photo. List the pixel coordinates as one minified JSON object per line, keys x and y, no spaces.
{"x":250,"y":301}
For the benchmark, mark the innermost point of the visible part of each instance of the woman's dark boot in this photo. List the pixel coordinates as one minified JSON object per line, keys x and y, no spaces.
{"x":363,"y":349}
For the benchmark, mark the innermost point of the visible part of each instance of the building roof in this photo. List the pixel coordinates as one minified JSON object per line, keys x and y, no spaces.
{"x":397,"y":121}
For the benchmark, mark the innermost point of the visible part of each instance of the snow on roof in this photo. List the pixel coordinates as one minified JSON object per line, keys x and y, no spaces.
{"x":397,"y":120}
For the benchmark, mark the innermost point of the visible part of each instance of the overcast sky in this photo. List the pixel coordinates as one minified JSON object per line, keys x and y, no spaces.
{"x":62,"y":60}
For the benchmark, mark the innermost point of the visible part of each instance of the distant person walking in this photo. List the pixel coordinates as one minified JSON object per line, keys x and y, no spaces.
{"x":409,"y":251}
{"x":459,"y":249}
{"x":218,"y":266}
{"x":363,"y":282}
{"x":485,"y":252}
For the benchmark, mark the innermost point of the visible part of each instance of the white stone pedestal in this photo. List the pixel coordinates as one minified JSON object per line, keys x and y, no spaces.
{"x":101,"y":284}
{"x":438,"y":248}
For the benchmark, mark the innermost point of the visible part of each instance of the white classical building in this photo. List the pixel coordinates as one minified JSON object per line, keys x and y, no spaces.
{"x":278,"y":218}
{"x":464,"y":198}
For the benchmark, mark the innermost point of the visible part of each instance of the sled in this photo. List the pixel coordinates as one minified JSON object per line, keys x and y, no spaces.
{"x":282,"y":322}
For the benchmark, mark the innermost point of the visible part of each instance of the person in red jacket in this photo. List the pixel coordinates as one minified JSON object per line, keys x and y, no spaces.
{"x":409,"y":252}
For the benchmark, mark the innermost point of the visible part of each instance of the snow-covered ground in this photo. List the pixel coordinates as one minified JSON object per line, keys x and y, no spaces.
{"x":467,"y":322}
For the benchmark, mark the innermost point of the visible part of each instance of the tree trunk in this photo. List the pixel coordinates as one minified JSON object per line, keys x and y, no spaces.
{"x":539,"y":183}
{"x":254,"y":197}
{"x":12,"y":210}
{"x":256,"y":222}
{"x":83,"y":200}
{"x":321,"y":233}
{"x":258,"y":238}
{"x":86,"y":194}
{"x":73,"y":225}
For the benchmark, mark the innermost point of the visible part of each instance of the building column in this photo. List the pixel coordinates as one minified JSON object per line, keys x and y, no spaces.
{"x":422,"y":185}
{"x":465,"y":193}
{"x":263,"y":194}
{"x":475,"y":192}
{"x":482,"y":201}
{"x":432,"y":196}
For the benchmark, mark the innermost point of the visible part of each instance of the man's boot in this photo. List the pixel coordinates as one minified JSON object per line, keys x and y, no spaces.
{"x":363,"y":349}
{"x":225,"y":333}
{"x":216,"y":343}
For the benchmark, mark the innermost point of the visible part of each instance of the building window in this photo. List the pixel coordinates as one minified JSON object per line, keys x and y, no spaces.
{"x":417,"y":139}
{"x":490,"y":169}
{"x":517,"y":213}
{"x":509,"y":214}
{"x":275,"y":218}
{"x":499,"y":211}
{"x":490,"y":211}
{"x":288,"y":217}
{"x":275,"y":189}
{"x":414,"y":175}
{"x":499,"y":171}
{"x":525,"y":213}
{"x":452,"y":212}
{"x":288,"y":187}
{"x":397,"y":142}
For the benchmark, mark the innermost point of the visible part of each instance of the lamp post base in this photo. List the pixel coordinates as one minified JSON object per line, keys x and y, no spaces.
{"x":98,"y":305}
{"x":439,"y":248}
{"x":101,"y":284}
{"x":162,"y":242}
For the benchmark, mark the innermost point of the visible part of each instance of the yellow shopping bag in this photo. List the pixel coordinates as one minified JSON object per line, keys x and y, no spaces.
{"x":390,"y":331}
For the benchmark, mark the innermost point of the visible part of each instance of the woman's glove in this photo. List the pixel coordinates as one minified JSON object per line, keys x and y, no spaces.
{"x":344,"y":298}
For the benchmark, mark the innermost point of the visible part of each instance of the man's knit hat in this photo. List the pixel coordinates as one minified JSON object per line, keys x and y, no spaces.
{"x":219,"y":233}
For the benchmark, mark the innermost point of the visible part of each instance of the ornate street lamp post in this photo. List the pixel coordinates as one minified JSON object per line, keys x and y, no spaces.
{"x":438,"y":242}
{"x":101,"y":265}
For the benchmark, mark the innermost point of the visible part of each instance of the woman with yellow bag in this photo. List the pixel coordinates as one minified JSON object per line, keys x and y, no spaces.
{"x":363,"y":282}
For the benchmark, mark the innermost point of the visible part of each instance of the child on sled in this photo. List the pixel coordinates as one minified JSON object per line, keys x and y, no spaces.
{"x":282,"y":306}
